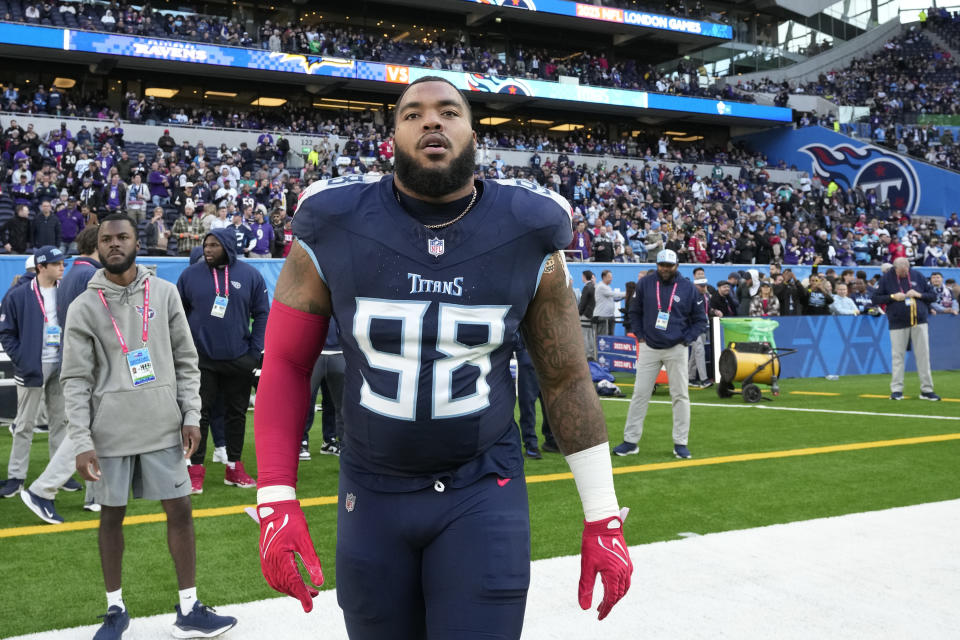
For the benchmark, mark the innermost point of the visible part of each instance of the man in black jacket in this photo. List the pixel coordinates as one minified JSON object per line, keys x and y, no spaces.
{"x":790,"y":293}
{"x":46,"y":228}
{"x":15,"y":233}
{"x":587,"y":302}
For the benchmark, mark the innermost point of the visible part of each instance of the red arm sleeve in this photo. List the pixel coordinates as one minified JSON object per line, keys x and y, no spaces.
{"x":293,"y":342}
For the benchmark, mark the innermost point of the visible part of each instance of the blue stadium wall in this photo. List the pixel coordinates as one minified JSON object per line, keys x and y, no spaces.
{"x":825,"y":344}
{"x":911,"y":185}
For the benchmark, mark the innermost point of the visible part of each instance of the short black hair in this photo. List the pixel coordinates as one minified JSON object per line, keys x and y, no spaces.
{"x":119,"y":217}
{"x":466,"y":104}
{"x":588,"y":274}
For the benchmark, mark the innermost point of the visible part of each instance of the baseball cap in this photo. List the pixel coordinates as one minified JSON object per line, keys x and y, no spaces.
{"x":189,"y":184}
{"x":700,"y":281}
{"x":30,"y":265}
{"x":667,"y":256}
{"x":47,"y":254}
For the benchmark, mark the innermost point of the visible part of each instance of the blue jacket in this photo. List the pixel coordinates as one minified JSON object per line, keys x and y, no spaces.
{"x":230,"y":337}
{"x":21,"y":333}
{"x":899,"y":315}
{"x":688,"y":318}
{"x":74,"y":283}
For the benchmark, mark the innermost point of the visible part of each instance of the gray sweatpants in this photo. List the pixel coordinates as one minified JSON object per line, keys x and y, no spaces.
{"x":61,"y":466}
{"x":589,"y":338}
{"x":649,"y":361}
{"x":918,"y":335}
{"x":29,"y":400}
{"x":698,"y":359}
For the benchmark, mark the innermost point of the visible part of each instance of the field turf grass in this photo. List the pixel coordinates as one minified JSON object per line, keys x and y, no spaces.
{"x":52,"y":579}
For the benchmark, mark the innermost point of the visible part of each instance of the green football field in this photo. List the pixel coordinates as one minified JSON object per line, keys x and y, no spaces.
{"x":821,"y":448}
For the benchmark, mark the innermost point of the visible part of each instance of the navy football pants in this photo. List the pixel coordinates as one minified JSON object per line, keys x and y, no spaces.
{"x":437,"y":565}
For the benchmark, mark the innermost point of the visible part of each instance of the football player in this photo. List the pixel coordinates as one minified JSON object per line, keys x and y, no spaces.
{"x":429,"y":274}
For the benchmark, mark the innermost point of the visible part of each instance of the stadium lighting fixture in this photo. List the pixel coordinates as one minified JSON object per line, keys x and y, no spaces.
{"x":566,"y":127}
{"x":159,"y":92}
{"x":688,"y":139}
{"x":535,"y":121}
{"x":219,"y":94}
{"x":675,"y":133}
{"x":64,"y":83}
{"x":493,"y":121}
{"x":268,"y":102}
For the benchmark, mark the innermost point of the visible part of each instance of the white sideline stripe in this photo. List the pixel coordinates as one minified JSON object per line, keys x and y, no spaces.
{"x":875,"y":575}
{"x":770,"y":408}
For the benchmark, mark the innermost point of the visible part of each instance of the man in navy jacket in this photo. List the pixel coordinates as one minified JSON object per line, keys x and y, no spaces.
{"x":666,"y":315}
{"x":221,"y":296}
{"x":31,"y":335}
{"x":907,"y":295}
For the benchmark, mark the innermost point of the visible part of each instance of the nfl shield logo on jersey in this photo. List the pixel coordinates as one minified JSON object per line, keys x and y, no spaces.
{"x":435,"y":247}
{"x":350,"y":502}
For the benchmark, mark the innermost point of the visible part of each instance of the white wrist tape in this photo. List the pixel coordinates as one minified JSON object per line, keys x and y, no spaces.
{"x":593,"y":473}
{"x":276,"y":493}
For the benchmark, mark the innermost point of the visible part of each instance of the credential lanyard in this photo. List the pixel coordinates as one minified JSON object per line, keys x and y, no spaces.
{"x":669,"y":306}
{"x":43,"y":309}
{"x":226,"y":281}
{"x":146,"y":316}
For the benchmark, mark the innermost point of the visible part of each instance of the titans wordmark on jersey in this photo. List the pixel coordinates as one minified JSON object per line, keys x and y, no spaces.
{"x":427,"y":337}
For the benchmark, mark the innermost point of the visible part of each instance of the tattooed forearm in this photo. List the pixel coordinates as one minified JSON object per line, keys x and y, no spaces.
{"x":552,"y":333}
{"x":300,"y":286}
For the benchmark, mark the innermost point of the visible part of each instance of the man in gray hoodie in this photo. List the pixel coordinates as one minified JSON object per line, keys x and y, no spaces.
{"x":131,"y":389}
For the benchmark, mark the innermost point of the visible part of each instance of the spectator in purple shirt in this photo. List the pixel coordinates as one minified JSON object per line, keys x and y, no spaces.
{"x":264,"y":233}
{"x":71,"y":223}
{"x":158,"y":183}
{"x":23,"y":191}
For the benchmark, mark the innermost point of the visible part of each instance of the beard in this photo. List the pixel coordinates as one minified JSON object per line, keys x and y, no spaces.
{"x":120,"y":267}
{"x":435,"y":183}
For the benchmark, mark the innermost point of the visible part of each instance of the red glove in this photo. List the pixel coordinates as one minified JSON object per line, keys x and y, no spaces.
{"x":283,"y":536}
{"x":604,"y":551}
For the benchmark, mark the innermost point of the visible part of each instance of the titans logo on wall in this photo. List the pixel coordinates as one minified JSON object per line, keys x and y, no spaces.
{"x":511,"y":86}
{"x":868,"y":167}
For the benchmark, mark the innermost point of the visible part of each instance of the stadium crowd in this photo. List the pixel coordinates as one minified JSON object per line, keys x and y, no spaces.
{"x":461,"y":51}
{"x":627,"y":213}
{"x":908,"y":75}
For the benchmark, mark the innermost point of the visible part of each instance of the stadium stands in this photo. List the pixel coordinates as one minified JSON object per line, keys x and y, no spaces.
{"x":466,"y":53}
{"x":711,"y":202}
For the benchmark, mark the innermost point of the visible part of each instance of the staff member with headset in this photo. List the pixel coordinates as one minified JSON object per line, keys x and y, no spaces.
{"x":666,"y":315}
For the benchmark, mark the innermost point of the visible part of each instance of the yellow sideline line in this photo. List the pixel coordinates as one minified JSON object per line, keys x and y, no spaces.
{"x":814,"y":393}
{"x":82,"y":525}
{"x":747,"y":457}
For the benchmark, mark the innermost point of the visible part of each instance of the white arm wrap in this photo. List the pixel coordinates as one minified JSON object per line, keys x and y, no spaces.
{"x":593,"y":473}
{"x":276,"y":493}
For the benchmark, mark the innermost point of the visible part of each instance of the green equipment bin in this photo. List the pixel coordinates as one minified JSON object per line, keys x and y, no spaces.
{"x":748,"y":330}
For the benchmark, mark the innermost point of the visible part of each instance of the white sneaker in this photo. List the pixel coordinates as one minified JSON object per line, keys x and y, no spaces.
{"x":220,"y":455}
{"x":91,"y":506}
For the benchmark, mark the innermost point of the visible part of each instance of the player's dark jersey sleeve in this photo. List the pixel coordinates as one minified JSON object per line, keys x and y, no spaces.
{"x":545,"y":211}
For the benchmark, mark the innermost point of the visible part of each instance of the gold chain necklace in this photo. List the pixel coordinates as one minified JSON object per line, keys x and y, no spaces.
{"x":473,"y":199}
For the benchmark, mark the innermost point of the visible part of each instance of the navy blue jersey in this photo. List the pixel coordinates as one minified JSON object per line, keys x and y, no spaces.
{"x":427,"y":319}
